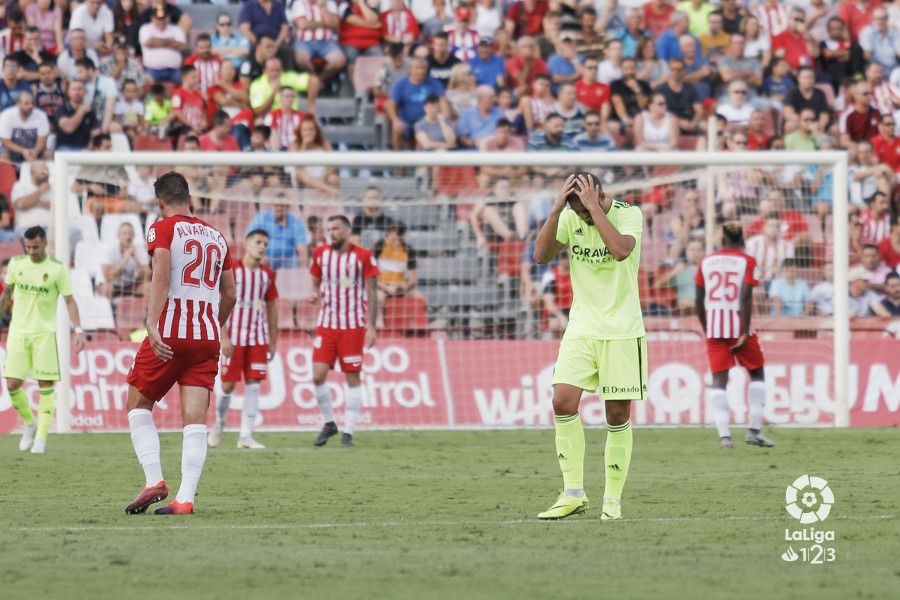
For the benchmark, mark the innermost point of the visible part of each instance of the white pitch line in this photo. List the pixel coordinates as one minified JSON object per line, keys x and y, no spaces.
{"x":508,"y":523}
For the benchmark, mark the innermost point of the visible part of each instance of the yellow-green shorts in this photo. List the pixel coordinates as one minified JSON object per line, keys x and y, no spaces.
{"x":617,"y":367}
{"x":33,"y":354}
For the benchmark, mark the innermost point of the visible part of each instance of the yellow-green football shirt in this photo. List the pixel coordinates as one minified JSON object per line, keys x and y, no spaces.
{"x":605,"y":300}
{"x":38,"y":287}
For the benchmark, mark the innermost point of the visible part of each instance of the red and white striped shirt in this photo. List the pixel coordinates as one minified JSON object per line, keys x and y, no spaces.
{"x":342,"y":291}
{"x":873,"y":229}
{"x":199,"y":254}
{"x":768,"y":254}
{"x":285,"y":124}
{"x":463,"y":44}
{"x":398,"y":23}
{"x":10,"y":42}
{"x":773,"y":18}
{"x":723,"y":275}
{"x":312,"y":11}
{"x":254,"y":288}
{"x":207,"y":70}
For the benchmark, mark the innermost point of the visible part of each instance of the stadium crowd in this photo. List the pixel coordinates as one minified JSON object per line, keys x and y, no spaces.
{"x":472,"y":75}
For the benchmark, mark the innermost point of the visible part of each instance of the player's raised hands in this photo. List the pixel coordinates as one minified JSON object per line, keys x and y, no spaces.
{"x":587,"y":192}
{"x":564,"y":192}
{"x":159,"y":347}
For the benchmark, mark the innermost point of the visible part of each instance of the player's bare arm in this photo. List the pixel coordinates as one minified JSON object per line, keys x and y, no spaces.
{"x":75,"y":319}
{"x":700,"y":306}
{"x":5,"y":300}
{"x":546,"y":246}
{"x":227,"y":296}
{"x":272,"y":320}
{"x":746,"y":311}
{"x":371,"y":336}
{"x":314,"y":292}
{"x":598,"y":204}
{"x":227,"y":348}
{"x":159,"y":292}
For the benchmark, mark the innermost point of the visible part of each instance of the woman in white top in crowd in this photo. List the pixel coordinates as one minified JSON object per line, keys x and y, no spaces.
{"x":758,"y":44}
{"x":317,"y":177}
{"x":538,"y":105}
{"x":656,"y":128}
{"x":487,"y":18}
{"x":651,"y":68}
{"x":610,"y":68}
{"x":461,"y":89}
{"x":736,"y":109}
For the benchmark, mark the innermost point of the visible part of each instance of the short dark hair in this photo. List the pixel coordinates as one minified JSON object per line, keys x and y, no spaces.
{"x":172,"y":188}
{"x":789,"y":263}
{"x":99,"y":139}
{"x":253,"y":232}
{"x":343,"y":219}
{"x":503,"y":122}
{"x":9,"y":59}
{"x":191,"y":139}
{"x":47,"y":63}
{"x":220,"y":118}
{"x":35,"y":233}
{"x":573,"y":197}
{"x":442,"y":35}
{"x":870,"y":247}
{"x":432,"y":99}
{"x":733,"y":233}
{"x":187,"y":69}
{"x":203,"y":37}
{"x":127,"y":81}
{"x":157,"y":89}
{"x":263,"y":130}
{"x":891,"y":275}
{"x":553,"y":115}
{"x":86,"y":62}
{"x":591,"y":113}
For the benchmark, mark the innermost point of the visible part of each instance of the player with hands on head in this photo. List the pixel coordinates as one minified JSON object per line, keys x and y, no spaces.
{"x":249,"y":338}
{"x":724,"y":302}
{"x":604,"y":344}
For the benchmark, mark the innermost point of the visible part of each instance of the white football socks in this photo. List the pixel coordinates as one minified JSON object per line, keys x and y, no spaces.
{"x":323,"y":397}
{"x":222,"y":406}
{"x":756,"y":399}
{"x":145,"y":440}
{"x":251,"y":409}
{"x":351,"y":408}
{"x":720,"y":409}
{"x":193,"y":455}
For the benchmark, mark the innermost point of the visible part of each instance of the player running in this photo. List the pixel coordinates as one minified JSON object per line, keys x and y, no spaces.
{"x":604,"y":342}
{"x":249,"y":338}
{"x":34,"y":283}
{"x":343,"y":277}
{"x":724,"y":300}
{"x":191,"y":296}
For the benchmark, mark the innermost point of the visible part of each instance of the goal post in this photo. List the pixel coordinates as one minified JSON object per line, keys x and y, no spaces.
{"x":352,"y":164}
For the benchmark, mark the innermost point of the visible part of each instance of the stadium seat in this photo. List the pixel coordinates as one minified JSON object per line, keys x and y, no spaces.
{"x":433,"y":241}
{"x":405,"y":316}
{"x":129,"y":315}
{"x":109,"y":226}
{"x":418,"y":216}
{"x":96,"y":313}
{"x":88,"y":228}
{"x":82,"y":286}
{"x":10,"y":249}
{"x":509,"y":257}
{"x":455,"y":269}
{"x":335,"y":109}
{"x":390,"y":187}
{"x":293,"y":284}
{"x":354,"y":135}
{"x":452,"y":181}
{"x":89,"y":257}
{"x":150,"y":143}
{"x":365,"y":72}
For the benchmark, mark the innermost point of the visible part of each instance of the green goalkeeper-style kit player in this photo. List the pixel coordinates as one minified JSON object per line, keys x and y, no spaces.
{"x":604,"y":345}
{"x":34,"y":283}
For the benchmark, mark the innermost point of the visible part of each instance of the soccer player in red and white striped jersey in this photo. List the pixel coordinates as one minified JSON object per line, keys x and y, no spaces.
{"x":248,"y":339}
{"x":344,"y":283}
{"x":191,"y":296}
{"x":724,"y":302}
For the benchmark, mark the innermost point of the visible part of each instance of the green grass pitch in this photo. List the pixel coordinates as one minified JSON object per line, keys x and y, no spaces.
{"x":448,"y":515}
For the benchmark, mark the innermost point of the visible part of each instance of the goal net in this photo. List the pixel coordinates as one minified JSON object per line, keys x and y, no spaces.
{"x":468,"y":325}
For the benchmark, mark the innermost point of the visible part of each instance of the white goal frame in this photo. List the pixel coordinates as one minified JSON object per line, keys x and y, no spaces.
{"x":838,"y":160}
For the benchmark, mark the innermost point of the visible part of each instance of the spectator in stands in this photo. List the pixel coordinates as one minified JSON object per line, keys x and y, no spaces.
{"x":158,"y":113}
{"x":316,"y":25}
{"x":889,"y":305}
{"x":370,"y":225}
{"x":227,"y":93}
{"x":264,"y":92}
{"x":883,"y":96}
{"x":487,"y":67}
{"x":254,"y":65}
{"x":887,"y":145}
{"x":488,"y":18}
{"x":778,"y":83}
{"x":502,"y":140}
{"x":795,"y":44}
{"x":125,"y":266}
{"x":176,"y":15}
{"x":399,"y":26}
{"x":656,"y":129}
{"x":867,"y":175}
{"x":120,"y":66}
{"x":23,"y":130}
{"x":311,"y":139}
{"x":861,"y":297}
{"x":395,"y":69}
{"x":870,"y":260}
{"x":127,"y":21}
{"x":594,"y":138}
{"x":523,"y":68}
{"x":360,"y":31}
{"x":733,"y":16}
{"x":48,"y":92}
{"x":140,"y":188}
{"x":509,"y":110}
{"x":31,"y":55}
{"x":316,"y":233}
{"x":716,"y":41}
{"x":264,"y":17}
{"x":96,"y":20}
{"x":737,"y":110}
{"x":103,"y":187}
{"x":10,"y":84}
{"x":568,"y":108}
{"x":790,"y":296}
{"x":610,"y":68}
{"x":162,"y":45}
{"x":681,"y":98}
{"x":397,"y":276}
{"x":76,"y":121}
{"x":630,"y":95}
{"x":463,"y":40}
{"x":589,"y":43}
{"x":792,"y":223}
{"x":552,"y":137}
{"x":438,"y":17}
{"x":499,"y":218}
{"x":757,"y":139}
{"x":526,"y":17}
{"x":407,"y":102}
{"x":284,"y":121}
{"x":556,"y":296}
{"x":698,"y":12}
{"x":858,"y":14}
{"x":880,"y":43}
{"x":805,"y":95}
{"x":758,"y":42}
{"x":822,"y":294}
{"x":534,"y":108}
{"x":100,"y":90}
{"x":651,"y":68}
{"x":441,"y":61}
{"x":668,"y":45}
{"x":480,"y":121}
{"x":564,"y":66}
{"x":839,"y":56}
{"x":805,"y":137}
{"x":657,"y":17}
{"x":875,"y":223}
{"x":188,"y":105}
{"x":227,"y":44}
{"x":681,"y":277}
{"x":548,"y":40}
{"x":287,"y":235}
{"x":860,"y":122}
{"x":219,"y":138}
{"x":77,"y":50}
{"x":460,"y":92}
{"x":592,"y":94}
{"x":889,"y":248}
{"x":12,"y":36}
{"x":32,"y":197}
{"x":434,"y":131}
{"x":735,"y":65}
{"x":48,"y":18}
{"x":631,"y":33}
{"x":770,"y":248}
{"x":259,"y":139}
{"x":205,"y":62}
{"x":697,"y":69}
